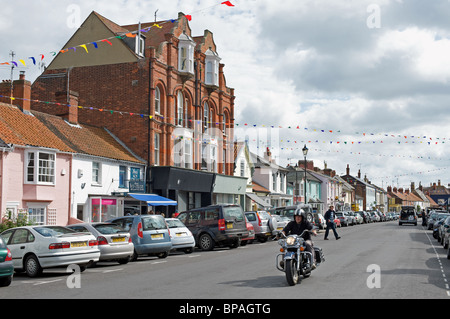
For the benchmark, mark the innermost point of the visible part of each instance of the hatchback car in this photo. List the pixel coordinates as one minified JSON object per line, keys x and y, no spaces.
{"x":182,"y":238}
{"x":264,"y":225}
{"x":35,"y":248}
{"x":408,"y":216}
{"x":6,"y":265}
{"x":114,"y":243}
{"x":216,"y":225}
{"x":149,"y":234}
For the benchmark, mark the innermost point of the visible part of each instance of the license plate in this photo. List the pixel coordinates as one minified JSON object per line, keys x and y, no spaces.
{"x":78,"y":244}
{"x":229,"y":225}
{"x":157,"y":236}
{"x":180,"y":234}
{"x":118,"y":239}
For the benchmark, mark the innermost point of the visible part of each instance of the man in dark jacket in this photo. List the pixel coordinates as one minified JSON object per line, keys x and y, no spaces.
{"x":329,"y":218}
{"x":297,"y":226}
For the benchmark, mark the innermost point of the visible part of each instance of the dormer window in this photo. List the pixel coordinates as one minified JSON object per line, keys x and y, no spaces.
{"x":186,"y":48}
{"x":212,"y":61}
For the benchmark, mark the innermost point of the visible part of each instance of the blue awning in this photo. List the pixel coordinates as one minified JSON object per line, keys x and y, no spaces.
{"x":154,"y":200}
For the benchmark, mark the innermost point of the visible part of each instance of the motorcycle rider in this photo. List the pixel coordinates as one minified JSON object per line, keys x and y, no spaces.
{"x":297,"y":226}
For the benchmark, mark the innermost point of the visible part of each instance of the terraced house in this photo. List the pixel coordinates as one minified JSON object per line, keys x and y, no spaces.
{"x":160,"y":90}
{"x":57,"y":170}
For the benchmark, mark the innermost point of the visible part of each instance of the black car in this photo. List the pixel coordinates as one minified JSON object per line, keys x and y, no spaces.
{"x":216,"y":225}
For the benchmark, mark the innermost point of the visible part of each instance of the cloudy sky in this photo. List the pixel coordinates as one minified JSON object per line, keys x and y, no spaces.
{"x":365,"y":82}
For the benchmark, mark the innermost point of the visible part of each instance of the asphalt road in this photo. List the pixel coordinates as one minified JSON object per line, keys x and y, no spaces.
{"x":381,"y":260}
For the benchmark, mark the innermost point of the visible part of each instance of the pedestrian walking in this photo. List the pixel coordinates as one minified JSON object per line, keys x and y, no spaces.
{"x":329,"y":218}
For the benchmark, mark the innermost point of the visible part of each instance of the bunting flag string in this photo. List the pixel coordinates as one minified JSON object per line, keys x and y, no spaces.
{"x":428,"y":141}
{"x":363,"y":134}
{"x":132,"y":34}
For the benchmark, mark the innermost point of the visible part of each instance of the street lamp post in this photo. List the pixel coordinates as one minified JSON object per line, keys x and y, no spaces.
{"x":305,"y":152}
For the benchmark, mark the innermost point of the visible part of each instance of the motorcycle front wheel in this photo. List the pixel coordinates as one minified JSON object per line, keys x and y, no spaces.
{"x":292,"y":275}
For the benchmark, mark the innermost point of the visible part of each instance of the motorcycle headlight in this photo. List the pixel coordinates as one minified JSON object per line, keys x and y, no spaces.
{"x":290,"y":240}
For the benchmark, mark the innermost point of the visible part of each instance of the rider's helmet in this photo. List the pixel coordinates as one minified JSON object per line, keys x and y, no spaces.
{"x":300,"y":212}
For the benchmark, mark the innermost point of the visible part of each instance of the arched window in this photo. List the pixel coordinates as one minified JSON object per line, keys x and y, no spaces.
{"x":205,"y":116}
{"x":157,"y":101}
{"x":180,"y":108}
{"x":224,"y":123}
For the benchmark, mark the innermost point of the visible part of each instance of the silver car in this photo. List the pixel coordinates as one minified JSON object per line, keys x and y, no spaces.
{"x":264,"y":224}
{"x":114,"y":243}
{"x":34,"y":248}
{"x":182,"y":238}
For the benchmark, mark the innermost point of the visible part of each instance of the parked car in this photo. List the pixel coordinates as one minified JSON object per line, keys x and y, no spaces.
{"x":438,"y":227}
{"x":351,"y":218}
{"x":344,"y":220}
{"x":113,"y":242}
{"x":408,"y":216}
{"x":446,"y":233}
{"x":281,"y":222}
{"x":264,"y":225}
{"x":216,"y":225}
{"x":149,"y":234}
{"x":35,"y":248}
{"x":182,"y":238}
{"x":251,"y":234}
{"x":337,"y":222}
{"x":374,"y":216}
{"x":363,"y":215}
{"x":319,"y":221}
{"x":358,"y":218}
{"x":432,"y":218}
{"x":382,"y":216}
{"x":6,"y":265}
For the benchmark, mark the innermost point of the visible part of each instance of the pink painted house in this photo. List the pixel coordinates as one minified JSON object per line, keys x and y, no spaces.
{"x":41,"y":156}
{"x":34,"y":163}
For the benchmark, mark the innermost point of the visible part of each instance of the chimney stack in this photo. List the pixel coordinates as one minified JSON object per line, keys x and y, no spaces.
{"x":22,"y":92}
{"x":70,"y":102}
{"x":348,"y":169}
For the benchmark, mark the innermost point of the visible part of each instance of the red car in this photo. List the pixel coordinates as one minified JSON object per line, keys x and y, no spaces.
{"x":251,"y":234}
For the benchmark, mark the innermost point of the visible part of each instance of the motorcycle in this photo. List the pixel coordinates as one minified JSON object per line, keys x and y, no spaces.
{"x":294,"y":260}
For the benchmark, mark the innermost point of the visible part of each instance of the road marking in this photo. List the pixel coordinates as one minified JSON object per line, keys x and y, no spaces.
{"x":158,"y":262}
{"x":193,"y":256}
{"x":112,"y":270}
{"x":440,"y":263}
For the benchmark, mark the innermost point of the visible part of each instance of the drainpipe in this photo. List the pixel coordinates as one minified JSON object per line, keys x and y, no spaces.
{"x":150,"y":106}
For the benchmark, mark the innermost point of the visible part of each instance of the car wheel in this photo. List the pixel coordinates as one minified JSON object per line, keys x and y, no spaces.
{"x":5,"y":281}
{"x":134,"y":257}
{"x":124,"y":261}
{"x":164,"y":254}
{"x":189,"y":250}
{"x":32,"y":266}
{"x":236,"y":243}
{"x":206,"y":242}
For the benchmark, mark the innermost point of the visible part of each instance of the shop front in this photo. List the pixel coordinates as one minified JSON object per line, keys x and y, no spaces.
{"x":189,"y":188}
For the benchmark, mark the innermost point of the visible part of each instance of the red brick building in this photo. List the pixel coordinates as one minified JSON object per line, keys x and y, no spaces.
{"x":156,"y":87}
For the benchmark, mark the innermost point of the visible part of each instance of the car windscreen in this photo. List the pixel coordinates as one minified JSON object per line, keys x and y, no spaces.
{"x":174,"y":223}
{"x":2,"y":243}
{"x":288,"y":213}
{"x":233,"y":213}
{"x":52,"y":231}
{"x":153,"y":223}
{"x":108,"y":229}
